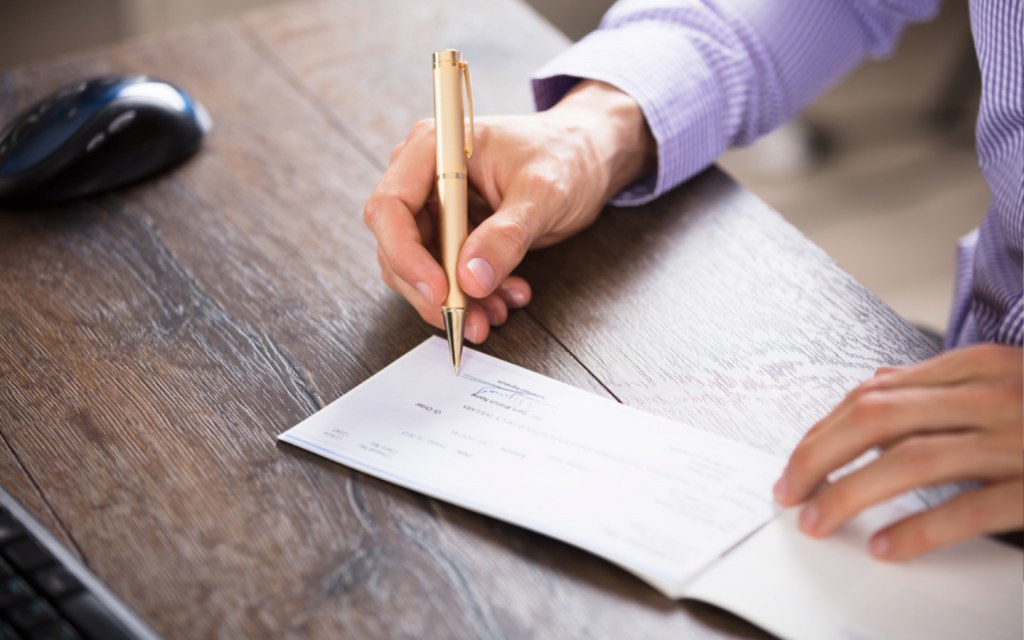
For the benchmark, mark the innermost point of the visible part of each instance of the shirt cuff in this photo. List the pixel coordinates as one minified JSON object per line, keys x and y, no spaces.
{"x":684,"y":114}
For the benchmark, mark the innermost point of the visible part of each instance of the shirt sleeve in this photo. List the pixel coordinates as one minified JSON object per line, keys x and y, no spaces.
{"x":709,"y":74}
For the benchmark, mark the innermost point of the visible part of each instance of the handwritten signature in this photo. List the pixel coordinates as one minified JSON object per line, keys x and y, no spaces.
{"x":507,"y":396}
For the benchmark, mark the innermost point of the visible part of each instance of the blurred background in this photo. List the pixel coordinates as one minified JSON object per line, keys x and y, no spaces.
{"x":880,"y":172}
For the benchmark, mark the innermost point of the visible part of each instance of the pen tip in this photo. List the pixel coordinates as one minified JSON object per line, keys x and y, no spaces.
{"x":454,"y":326}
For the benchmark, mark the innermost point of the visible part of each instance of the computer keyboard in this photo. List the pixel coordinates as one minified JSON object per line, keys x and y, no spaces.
{"x":47,"y":594}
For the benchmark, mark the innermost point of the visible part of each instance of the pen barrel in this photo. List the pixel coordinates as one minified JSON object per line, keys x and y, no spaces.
{"x":452,"y":207}
{"x":452,"y":180}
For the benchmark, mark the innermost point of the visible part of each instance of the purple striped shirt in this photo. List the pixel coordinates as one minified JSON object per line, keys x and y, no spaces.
{"x":714,"y":73}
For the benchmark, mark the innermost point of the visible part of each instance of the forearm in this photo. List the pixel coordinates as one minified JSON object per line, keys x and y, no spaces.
{"x":708,"y":75}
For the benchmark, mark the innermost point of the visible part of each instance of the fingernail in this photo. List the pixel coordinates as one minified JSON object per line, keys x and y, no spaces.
{"x":809,"y":518}
{"x":471,"y":332}
{"x":425,"y":291}
{"x":482,"y":271}
{"x":780,"y":488}
{"x":880,"y":546}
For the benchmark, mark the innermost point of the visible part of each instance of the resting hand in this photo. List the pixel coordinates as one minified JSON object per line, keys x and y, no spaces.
{"x":955,"y":417}
{"x":544,"y":176}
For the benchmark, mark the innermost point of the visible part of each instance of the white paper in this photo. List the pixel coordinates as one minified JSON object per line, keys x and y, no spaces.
{"x":805,"y":588}
{"x":660,"y":499}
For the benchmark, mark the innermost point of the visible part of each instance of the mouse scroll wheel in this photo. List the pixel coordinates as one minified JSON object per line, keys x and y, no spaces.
{"x":95,"y":142}
{"x":120,"y":122}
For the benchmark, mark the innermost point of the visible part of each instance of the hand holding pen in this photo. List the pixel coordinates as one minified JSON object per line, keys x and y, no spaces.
{"x":534,"y":180}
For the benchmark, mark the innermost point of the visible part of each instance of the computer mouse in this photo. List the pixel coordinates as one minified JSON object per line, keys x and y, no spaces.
{"x":96,"y":135}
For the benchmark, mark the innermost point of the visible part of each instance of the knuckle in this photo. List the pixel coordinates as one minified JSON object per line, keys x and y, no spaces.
{"x":421,"y":127}
{"x":917,"y":456}
{"x":799,"y":462}
{"x":868,"y":408}
{"x":544,"y":180}
{"x":864,"y":388}
{"x":395,"y":151}
{"x":558,"y":189}
{"x":975,"y":517}
{"x":1009,"y":393}
{"x":483,"y":133}
{"x":372,"y":211}
{"x":840,"y":498}
{"x":922,"y":537}
{"x":993,"y":351}
{"x":1001,"y":356}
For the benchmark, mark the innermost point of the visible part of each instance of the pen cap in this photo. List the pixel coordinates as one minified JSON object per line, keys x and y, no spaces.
{"x":450,"y":56}
{"x":449,"y":118}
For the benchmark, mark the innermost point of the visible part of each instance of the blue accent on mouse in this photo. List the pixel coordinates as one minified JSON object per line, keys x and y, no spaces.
{"x":96,"y":135}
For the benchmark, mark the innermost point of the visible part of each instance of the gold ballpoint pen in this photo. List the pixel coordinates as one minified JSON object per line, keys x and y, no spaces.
{"x":453,"y":148}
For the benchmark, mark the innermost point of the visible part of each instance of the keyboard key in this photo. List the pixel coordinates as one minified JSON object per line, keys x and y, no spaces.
{"x":7,"y":633}
{"x":54,"y":631}
{"x":13,"y":590}
{"x":27,"y":555}
{"x":9,"y":528}
{"x":56,"y":582}
{"x":41,"y":596}
{"x":92,"y":619}
{"x":33,"y":613}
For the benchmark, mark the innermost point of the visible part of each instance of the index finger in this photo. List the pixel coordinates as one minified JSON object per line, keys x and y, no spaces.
{"x":391,"y":211}
{"x":976,"y":362}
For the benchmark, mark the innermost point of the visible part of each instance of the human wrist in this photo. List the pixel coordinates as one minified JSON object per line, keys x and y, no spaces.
{"x":609,"y":125}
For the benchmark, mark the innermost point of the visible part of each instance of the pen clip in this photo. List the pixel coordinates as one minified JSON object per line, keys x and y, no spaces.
{"x":464,"y":66}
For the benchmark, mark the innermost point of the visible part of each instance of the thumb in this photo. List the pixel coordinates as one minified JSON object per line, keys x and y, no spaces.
{"x":497,"y":246}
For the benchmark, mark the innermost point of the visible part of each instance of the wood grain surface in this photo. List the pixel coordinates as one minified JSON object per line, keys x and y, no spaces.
{"x":157,"y":339}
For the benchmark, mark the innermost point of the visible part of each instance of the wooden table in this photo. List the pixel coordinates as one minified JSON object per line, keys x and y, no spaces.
{"x":156,"y":340}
